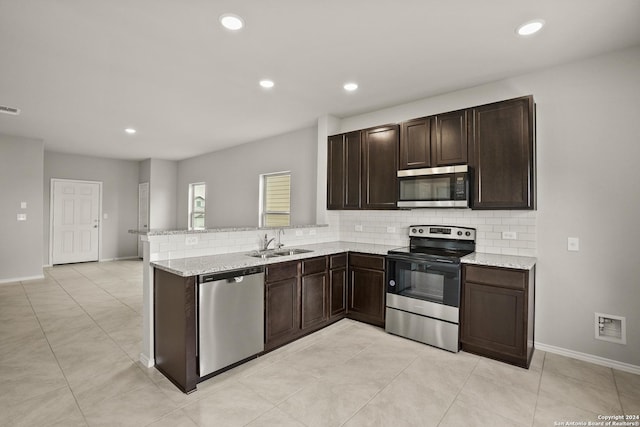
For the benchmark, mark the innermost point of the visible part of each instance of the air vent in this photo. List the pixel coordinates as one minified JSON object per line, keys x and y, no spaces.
{"x":611,"y":328}
{"x":9,"y":110}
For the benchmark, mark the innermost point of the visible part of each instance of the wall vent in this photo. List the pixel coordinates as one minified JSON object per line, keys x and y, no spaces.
{"x":611,"y":328}
{"x":9,"y":110}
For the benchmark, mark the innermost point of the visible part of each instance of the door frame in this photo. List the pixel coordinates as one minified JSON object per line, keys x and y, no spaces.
{"x":140,"y":184}
{"x":51,"y":209}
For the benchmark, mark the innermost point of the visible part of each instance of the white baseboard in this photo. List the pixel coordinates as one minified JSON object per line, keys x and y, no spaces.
{"x":21,"y":279}
{"x":597,"y":360}
{"x":47,"y":265}
{"x":149,"y":363}
{"x":118,"y":259}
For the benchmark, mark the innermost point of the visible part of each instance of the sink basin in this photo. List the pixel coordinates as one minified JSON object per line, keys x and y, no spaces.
{"x":276,"y":253}
{"x":285,"y":252}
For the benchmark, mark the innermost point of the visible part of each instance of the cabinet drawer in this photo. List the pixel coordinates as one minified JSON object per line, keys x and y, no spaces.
{"x":496,"y":276}
{"x":281,"y":271}
{"x":366,"y":261}
{"x":314,"y":265}
{"x":337,"y":261}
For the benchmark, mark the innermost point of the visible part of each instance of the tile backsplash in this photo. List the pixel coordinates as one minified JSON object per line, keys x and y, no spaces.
{"x":378,"y":227}
{"x":392,"y":227}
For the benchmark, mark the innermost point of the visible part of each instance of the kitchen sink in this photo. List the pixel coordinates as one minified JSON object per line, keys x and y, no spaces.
{"x":276,"y":253}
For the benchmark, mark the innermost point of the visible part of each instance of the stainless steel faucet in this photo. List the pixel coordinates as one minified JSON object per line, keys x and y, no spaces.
{"x":279,"y":232}
{"x":266,"y":242}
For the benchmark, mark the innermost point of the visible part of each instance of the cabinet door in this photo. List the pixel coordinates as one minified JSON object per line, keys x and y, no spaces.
{"x":366,"y":296}
{"x":337,"y":292}
{"x":314,"y":289}
{"x":353,"y":174}
{"x":493,"y":319}
{"x":335,"y":172}
{"x":281,"y":312}
{"x":380,"y":167}
{"x":415,"y":144}
{"x":503,"y":155}
{"x":451,"y":138}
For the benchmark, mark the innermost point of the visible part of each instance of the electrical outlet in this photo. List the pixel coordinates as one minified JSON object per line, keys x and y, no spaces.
{"x":509,"y":235}
{"x":312,"y":232}
{"x":573,"y":244}
{"x":359,"y":227}
{"x":22,"y":217}
{"x":299,"y":232}
{"x":105,"y":216}
{"x":191,"y":240}
{"x":391,"y":229}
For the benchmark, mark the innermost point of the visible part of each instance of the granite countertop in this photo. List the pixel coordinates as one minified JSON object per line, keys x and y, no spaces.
{"x":495,"y":260}
{"x":216,"y":263}
{"x":167,"y":232}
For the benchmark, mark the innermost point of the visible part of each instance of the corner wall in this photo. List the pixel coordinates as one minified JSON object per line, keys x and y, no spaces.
{"x":21,"y":161}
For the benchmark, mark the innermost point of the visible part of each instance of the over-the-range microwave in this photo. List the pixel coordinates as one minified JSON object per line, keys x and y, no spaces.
{"x":442,"y":187}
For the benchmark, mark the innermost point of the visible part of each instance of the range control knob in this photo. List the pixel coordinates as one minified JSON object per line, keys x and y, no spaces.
{"x":468,"y":233}
{"x":413,"y":230}
{"x":459,"y":233}
{"x":421,"y":231}
{"x":392,"y":283}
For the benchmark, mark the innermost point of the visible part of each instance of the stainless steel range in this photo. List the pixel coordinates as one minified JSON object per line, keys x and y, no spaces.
{"x":423,"y":284}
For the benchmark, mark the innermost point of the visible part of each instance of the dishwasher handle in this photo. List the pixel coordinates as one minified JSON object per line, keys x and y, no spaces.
{"x":231,"y":275}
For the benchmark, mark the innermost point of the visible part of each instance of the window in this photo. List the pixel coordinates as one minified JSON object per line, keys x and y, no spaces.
{"x":197,"y":196}
{"x":275,"y":193}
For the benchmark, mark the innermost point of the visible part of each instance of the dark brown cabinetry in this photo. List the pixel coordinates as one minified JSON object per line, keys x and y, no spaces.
{"x":174,"y":314}
{"x":380,"y":167}
{"x":434,"y":141}
{"x":497,"y":313}
{"x":344,"y":171}
{"x":502,"y":155}
{"x":450,"y":138}
{"x":337,"y":286}
{"x":362,"y":168}
{"x":282,"y":304}
{"x":314,"y":293}
{"x":366,"y":296}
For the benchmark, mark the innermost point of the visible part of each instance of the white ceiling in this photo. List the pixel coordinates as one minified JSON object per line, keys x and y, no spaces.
{"x":83,"y":70}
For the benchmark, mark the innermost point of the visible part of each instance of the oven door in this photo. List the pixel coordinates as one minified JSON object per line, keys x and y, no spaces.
{"x":434,"y":187}
{"x":433,"y":281}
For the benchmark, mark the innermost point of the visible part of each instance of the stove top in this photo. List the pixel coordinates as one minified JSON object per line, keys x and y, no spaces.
{"x":445,"y":243}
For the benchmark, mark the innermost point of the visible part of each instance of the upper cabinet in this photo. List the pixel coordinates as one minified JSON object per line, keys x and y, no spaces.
{"x":434,"y":141}
{"x":380,"y":167}
{"x":344,"y":171}
{"x":502,"y":155}
{"x":362,"y":169}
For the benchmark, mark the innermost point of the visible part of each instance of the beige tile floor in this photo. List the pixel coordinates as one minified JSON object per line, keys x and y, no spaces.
{"x":69,"y":347}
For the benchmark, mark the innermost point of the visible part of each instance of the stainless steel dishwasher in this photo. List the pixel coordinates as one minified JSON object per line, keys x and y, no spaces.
{"x":230,"y":318}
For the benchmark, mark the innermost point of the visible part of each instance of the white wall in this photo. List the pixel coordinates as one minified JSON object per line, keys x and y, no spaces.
{"x":119,"y":198}
{"x":588,"y":150}
{"x":232,"y":178}
{"x":163,"y":177}
{"x":21,"y":162}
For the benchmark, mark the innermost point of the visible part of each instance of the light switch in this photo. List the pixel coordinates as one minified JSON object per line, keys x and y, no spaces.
{"x":573,"y":244}
{"x":23,"y":205}
{"x":22,"y":217}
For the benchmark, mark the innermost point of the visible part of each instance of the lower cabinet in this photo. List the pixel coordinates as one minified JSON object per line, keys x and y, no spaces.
{"x":282,"y":304}
{"x":314,"y":293}
{"x":337,"y":286}
{"x":497,"y":313}
{"x":366,"y":294}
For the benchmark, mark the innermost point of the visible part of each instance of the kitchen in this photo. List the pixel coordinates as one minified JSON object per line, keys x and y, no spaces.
{"x":584,"y":107}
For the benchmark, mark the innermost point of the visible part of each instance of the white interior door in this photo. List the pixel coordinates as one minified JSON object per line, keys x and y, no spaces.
{"x":76,"y":221}
{"x":143,"y":212}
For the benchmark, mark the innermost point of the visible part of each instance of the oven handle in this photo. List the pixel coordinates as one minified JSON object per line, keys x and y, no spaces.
{"x":438,"y":265}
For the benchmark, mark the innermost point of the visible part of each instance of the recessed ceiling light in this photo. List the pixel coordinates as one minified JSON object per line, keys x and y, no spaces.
{"x":531,"y":27}
{"x":231,"y":22}
{"x":350,"y":86}
{"x":130,"y":131}
{"x":268,"y":84}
